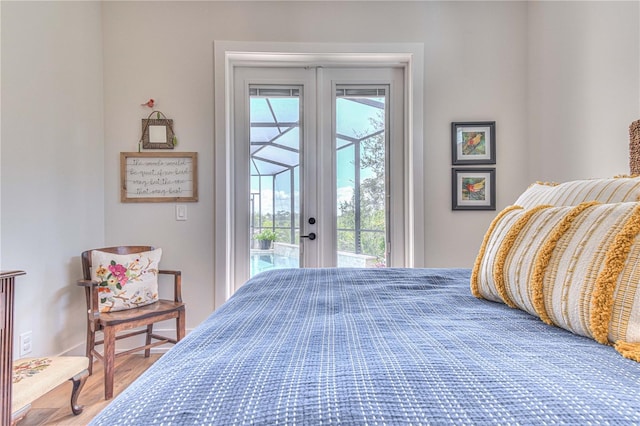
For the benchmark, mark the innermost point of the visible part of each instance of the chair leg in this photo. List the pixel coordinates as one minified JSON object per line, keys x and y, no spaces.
{"x":147,"y":351}
{"x":91,"y":343}
{"x":78,"y":382}
{"x":109,"y":360}
{"x":180,"y":326}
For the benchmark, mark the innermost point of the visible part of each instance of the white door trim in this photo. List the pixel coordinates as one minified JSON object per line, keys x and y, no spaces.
{"x":229,"y":54}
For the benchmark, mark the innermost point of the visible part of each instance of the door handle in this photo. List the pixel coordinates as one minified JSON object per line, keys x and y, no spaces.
{"x":311,"y":236}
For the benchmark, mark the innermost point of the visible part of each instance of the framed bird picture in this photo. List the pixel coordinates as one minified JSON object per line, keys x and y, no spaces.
{"x":473,"y":142}
{"x":473,"y":189}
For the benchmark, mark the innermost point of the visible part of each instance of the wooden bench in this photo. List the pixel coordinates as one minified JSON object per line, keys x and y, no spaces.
{"x":34,"y":377}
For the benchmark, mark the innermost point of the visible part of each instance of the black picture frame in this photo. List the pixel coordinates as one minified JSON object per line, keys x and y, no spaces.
{"x":473,"y":142}
{"x":473,"y":188}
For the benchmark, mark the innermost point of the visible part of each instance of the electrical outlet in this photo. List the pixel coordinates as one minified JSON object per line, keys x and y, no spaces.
{"x":25,"y":343}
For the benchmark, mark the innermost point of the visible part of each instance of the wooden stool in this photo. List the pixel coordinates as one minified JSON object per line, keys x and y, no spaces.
{"x":34,"y":377}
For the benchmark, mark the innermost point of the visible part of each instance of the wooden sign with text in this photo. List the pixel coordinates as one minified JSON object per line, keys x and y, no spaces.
{"x":158,"y":177}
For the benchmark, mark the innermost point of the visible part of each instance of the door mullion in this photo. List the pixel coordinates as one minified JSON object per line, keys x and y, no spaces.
{"x":357,"y":201}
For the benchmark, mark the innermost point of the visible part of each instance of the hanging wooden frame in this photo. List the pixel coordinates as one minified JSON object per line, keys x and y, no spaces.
{"x":157,"y":133}
{"x":158,"y":177}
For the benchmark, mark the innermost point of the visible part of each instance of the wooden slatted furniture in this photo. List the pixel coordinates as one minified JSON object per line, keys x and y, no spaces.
{"x":112,"y":324}
{"x":7,"y":284}
{"x":25,"y":380}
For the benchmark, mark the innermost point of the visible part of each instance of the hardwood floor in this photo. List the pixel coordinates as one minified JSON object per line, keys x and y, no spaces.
{"x":54,"y":407}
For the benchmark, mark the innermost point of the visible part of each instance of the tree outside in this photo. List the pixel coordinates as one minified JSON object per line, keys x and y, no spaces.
{"x":362,"y":219}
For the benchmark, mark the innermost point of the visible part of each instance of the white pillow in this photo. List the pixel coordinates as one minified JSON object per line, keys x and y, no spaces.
{"x":125,"y":281}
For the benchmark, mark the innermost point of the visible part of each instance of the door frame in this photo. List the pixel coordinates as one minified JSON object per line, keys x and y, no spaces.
{"x":229,"y":54}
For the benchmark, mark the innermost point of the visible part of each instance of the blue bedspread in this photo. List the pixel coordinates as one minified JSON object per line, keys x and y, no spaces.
{"x":378,"y":346}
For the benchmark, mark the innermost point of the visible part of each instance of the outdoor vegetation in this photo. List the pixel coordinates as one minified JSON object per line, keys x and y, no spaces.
{"x":367,"y":236}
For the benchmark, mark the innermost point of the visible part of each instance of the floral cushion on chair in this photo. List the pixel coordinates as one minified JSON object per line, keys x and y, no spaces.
{"x":125,"y":281}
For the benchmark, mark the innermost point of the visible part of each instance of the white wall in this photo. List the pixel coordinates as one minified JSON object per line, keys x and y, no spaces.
{"x":164,"y":50}
{"x":52,"y":168}
{"x":475,"y":70}
{"x":584,"y":87}
{"x":483,"y":61}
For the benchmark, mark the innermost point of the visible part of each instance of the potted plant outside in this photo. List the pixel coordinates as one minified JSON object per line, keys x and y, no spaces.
{"x":265,"y":238}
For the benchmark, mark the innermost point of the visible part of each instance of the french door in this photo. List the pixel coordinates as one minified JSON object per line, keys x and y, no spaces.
{"x":317,"y":157}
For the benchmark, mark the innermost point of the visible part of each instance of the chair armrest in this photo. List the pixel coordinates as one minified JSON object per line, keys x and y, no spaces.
{"x":92,"y":299}
{"x":177,"y":283}
{"x":87,"y":283}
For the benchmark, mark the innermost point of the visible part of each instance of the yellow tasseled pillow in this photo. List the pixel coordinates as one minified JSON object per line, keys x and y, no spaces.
{"x":584,"y":262}
{"x":610,"y":190}
{"x":575,"y":267}
{"x":482,"y":282}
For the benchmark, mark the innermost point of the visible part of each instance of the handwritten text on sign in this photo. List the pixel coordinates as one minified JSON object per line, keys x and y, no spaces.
{"x":159,"y":177}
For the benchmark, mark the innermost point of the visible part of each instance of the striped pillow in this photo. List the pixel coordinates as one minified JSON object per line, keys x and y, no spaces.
{"x":503,"y":267}
{"x":574,"y":267}
{"x":482,"y":282}
{"x":578,"y":265}
{"x":612,"y":190}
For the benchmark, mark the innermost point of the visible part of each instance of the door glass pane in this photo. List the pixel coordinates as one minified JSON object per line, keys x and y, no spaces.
{"x":361,"y":151}
{"x":274,"y":114}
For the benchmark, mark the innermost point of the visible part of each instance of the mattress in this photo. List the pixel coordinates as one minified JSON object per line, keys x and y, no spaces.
{"x":378,"y":346}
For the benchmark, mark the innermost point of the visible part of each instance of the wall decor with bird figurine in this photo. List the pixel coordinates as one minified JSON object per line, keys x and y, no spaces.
{"x":157,"y":133}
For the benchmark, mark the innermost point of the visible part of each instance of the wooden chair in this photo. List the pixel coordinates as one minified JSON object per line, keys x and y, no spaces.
{"x":112,"y":323}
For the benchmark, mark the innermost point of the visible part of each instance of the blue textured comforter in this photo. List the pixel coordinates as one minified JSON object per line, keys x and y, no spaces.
{"x":378,"y":346}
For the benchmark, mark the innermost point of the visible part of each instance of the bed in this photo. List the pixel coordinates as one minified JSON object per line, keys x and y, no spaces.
{"x":378,"y":346}
{"x":543,"y":329}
